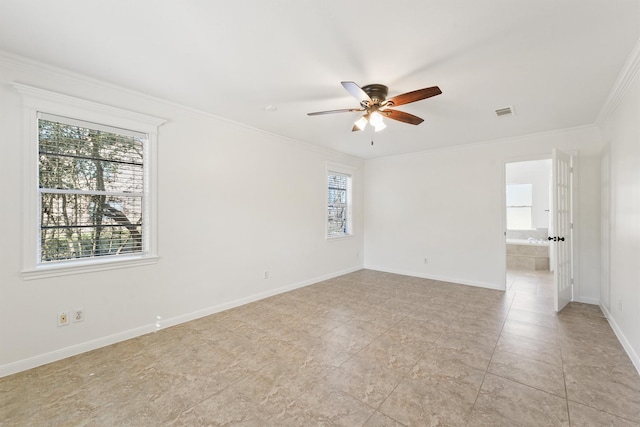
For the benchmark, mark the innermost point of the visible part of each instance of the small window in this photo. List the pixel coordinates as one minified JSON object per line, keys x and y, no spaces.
{"x":91,"y":185}
{"x":519,"y":203}
{"x":339,"y":204}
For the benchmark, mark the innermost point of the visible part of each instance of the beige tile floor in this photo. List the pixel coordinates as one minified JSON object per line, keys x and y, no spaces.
{"x":364,"y":349}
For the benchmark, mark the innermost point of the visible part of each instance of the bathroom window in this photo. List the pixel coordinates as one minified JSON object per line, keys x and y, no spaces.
{"x":519,"y":206}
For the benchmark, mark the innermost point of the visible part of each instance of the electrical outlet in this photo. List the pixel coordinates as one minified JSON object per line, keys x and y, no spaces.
{"x":63,"y":318}
{"x":78,"y":315}
{"x":265,"y":275}
{"x":426,"y":260}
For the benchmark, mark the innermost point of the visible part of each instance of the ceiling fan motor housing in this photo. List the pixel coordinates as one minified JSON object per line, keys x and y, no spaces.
{"x":377,"y":92}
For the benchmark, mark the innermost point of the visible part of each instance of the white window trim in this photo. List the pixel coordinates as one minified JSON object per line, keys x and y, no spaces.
{"x":34,"y":101}
{"x":341,"y":169}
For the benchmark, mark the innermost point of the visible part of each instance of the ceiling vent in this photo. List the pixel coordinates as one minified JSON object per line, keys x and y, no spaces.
{"x":506,"y":111}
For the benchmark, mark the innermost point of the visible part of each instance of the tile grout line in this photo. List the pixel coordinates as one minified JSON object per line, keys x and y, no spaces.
{"x":418,"y":359}
{"x":486,"y":371}
{"x":564,"y":379}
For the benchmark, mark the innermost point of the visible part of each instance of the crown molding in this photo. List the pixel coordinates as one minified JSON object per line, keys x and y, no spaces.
{"x":34,"y":97}
{"x":507,"y":139}
{"x":626,"y":77}
{"x":31,"y":66}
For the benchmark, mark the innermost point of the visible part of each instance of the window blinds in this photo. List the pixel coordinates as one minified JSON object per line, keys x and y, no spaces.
{"x":338,"y":205}
{"x":91,"y":183}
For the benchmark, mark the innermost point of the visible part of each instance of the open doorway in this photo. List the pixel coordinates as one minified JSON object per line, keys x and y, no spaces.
{"x":529,"y":256}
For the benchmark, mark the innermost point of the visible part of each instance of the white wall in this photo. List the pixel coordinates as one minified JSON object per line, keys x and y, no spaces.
{"x":448,"y":206}
{"x":233,"y":202}
{"x":538,"y":174}
{"x":621,"y":212}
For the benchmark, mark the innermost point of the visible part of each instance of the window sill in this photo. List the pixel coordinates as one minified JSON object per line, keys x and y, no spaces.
{"x":44,"y":271}
{"x":336,"y":238}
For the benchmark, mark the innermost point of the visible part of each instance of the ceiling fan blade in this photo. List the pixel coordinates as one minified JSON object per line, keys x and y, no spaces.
{"x":344,"y":110}
{"x":414,"y":96}
{"x":401,"y":116}
{"x":357,"y":92}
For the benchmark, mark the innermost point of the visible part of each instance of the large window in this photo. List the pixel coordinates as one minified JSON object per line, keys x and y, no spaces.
{"x":338,"y":204}
{"x":89,"y":185}
{"x":519,"y":203}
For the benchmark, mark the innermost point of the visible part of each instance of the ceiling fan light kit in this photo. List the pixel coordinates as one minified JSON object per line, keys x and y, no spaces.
{"x":361,"y":123}
{"x":375,"y":105}
{"x":376,"y":121}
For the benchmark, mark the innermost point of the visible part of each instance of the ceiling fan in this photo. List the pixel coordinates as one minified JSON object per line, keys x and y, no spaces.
{"x":373,"y":102}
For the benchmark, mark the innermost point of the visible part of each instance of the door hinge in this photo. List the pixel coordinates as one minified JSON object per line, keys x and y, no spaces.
{"x":571,"y":169}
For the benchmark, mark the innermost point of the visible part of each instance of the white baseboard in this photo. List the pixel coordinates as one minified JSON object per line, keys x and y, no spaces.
{"x":242,"y":301}
{"x":585,"y":300}
{"x":63,"y":353}
{"x":635,"y":359}
{"x":439,"y":278}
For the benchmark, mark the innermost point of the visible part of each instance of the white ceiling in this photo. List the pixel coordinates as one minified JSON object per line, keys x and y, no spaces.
{"x":554,"y":61}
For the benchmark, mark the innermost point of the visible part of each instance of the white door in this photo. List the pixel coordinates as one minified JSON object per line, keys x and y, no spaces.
{"x":562,"y":221}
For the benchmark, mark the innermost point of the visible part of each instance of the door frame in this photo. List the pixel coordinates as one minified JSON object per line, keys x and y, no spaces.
{"x":503,"y":215}
{"x":503,"y":209}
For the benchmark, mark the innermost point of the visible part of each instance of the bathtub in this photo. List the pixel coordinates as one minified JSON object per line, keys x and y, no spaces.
{"x":527,"y":254}
{"x":534,"y":242}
